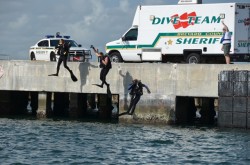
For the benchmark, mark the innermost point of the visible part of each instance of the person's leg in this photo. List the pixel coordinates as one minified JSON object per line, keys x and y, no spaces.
{"x":227,"y":48}
{"x":131,"y":103}
{"x":105,"y":72}
{"x":65,"y":63}
{"x":101,"y":77}
{"x":227,"y":58}
{"x":58,"y":65}
{"x":124,"y":113}
{"x":135,"y":101}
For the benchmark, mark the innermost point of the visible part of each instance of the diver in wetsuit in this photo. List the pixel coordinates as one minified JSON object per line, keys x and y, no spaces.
{"x":63,"y":51}
{"x":136,"y":91}
{"x":105,"y":64}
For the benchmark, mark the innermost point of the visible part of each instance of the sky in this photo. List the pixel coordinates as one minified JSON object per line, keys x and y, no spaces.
{"x":89,"y":22}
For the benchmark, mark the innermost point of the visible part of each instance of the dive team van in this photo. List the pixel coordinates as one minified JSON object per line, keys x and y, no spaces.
{"x":184,"y":33}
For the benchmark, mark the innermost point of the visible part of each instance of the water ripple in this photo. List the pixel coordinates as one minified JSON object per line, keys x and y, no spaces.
{"x":71,"y":142}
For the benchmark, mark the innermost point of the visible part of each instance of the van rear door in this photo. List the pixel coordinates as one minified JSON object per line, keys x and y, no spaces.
{"x":242,"y":29}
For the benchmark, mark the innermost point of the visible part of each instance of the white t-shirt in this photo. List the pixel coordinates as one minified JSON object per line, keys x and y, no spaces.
{"x":227,"y":38}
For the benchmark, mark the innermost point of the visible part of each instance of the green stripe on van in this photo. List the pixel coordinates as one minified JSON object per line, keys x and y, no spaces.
{"x":182,"y":35}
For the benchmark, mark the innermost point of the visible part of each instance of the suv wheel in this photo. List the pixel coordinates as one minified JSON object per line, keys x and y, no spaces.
{"x":32,"y":56}
{"x":52,"y":56}
{"x":115,"y":57}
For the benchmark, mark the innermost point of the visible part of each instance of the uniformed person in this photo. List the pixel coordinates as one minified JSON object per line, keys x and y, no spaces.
{"x":63,"y":51}
{"x":105,"y":64}
{"x":136,"y":91}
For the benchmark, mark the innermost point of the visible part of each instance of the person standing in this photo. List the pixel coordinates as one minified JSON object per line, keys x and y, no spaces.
{"x":226,"y":42}
{"x":136,"y":91}
{"x":106,"y":65}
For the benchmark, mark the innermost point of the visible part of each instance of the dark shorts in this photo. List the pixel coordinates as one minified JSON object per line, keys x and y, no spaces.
{"x":226,"y":49}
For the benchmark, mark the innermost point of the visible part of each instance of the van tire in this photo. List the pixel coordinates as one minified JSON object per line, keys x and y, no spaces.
{"x":116,"y":57}
{"x":193,"y":58}
{"x":32,"y":56}
{"x":52,"y":56}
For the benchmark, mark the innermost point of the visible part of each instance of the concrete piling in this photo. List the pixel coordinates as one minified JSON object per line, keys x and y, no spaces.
{"x":5,"y":103}
{"x":77,"y":105}
{"x":207,"y":111}
{"x":233,"y":99}
{"x":34,"y":102}
{"x":185,"y":110}
{"x":42,"y":105}
{"x":105,"y":106}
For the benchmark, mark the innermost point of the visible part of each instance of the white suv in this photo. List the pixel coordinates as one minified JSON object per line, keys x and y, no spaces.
{"x":45,"y":49}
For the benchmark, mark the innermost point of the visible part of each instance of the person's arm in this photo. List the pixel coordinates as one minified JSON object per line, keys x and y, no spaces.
{"x":146,"y":88}
{"x":96,"y":51}
{"x":225,"y":26}
{"x":105,"y":61}
{"x":130,"y":86}
{"x":66,"y":48}
{"x":58,"y":47}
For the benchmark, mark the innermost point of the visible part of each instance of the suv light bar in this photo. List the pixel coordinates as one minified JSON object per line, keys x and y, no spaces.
{"x":58,"y":36}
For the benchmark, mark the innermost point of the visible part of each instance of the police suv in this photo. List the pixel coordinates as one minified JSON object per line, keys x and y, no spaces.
{"x":45,"y":49}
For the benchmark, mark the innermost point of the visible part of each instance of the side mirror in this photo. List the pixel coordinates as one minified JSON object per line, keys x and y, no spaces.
{"x":123,"y":38}
{"x":79,"y":45}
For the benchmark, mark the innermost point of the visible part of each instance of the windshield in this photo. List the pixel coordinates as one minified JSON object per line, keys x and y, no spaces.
{"x":54,"y":43}
{"x":72,"y":43}
{"x":131,"y":35}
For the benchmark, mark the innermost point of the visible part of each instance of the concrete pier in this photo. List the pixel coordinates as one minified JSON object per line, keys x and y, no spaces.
{"x":167,"y":82}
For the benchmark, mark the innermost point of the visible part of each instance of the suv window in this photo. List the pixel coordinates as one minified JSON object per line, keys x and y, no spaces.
{"x":43,"y":43}
{"x":131,"y":35}
{"x":54,"y":43}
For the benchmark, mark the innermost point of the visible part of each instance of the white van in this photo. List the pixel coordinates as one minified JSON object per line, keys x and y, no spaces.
{"x":184,"y":33}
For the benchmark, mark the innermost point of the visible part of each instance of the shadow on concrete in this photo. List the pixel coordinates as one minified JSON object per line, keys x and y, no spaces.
{"x":84,"y":71}
{"x":127,"y":79}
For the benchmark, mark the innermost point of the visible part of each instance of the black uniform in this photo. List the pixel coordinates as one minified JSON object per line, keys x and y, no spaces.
{"x":105,"y":70}
{"x":63,"y":51}
{"x":136,"y":91}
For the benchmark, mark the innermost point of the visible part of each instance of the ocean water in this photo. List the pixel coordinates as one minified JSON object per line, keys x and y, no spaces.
{"x":48,"y":142}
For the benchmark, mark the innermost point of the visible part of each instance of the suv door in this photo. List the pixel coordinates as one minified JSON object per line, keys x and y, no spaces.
{"x":42,"y":52}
